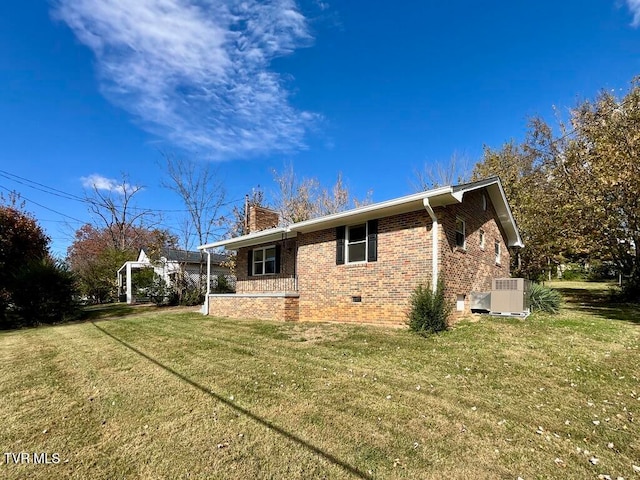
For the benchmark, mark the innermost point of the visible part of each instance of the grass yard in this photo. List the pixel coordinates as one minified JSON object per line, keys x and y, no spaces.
{"x":178,"y":395}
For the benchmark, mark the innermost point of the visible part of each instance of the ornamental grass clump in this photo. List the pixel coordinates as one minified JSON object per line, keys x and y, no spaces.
{"x":544,"y":299}
{"x":429,"y":310}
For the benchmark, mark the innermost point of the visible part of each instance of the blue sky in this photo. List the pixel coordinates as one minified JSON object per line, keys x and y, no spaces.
{"x":91,"y":89}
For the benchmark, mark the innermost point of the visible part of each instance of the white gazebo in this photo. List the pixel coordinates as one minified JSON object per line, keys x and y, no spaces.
{"x":170,"y":263}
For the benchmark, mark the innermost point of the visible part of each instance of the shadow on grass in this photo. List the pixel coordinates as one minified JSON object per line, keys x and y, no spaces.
{"x":96,"y":312}
{"x":290,"y":436}
{"x":600,"y":302}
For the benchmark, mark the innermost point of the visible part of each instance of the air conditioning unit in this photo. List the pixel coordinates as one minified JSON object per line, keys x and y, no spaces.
{"x":510,"y":297}
{"x":480,"y":302}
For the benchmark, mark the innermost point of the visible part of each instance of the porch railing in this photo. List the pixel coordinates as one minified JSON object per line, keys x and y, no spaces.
{"x":268,"y":283}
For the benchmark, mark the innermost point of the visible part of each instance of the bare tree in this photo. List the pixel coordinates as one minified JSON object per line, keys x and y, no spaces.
{"x":203,"y":194}
{"x":113,"y":209}
{"x":236,"y":222}
{"x":302,"y":199}
{"x":456,"y":170}
{"x":295,"y":198}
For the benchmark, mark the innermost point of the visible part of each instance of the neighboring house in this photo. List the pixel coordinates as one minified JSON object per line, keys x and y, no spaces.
{"x":362,"y":265}
{"x":171,"y":264}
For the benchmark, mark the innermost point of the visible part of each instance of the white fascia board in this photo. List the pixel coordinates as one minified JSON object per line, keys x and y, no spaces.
{"x":499,"y":200}
{"x":500,"y":203}
{"x":404,"y":204}
{"x":263,"y":236}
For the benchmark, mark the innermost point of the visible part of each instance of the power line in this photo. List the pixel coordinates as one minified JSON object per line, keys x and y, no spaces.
{"x":46,"y":208}
{"x":88,"y":201}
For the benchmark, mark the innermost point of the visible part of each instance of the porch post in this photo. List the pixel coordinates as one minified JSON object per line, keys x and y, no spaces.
{"x":129,"y":290}
{"x":205,"y":305}
{"x":208,"y":272}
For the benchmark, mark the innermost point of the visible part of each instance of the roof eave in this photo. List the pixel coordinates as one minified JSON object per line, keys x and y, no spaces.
{"x":263,"y":236}
{"x":437,"y":197}
{"x":409,"y":203}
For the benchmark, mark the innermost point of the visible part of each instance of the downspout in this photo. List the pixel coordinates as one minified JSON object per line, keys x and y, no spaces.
{"x":434,"y":244}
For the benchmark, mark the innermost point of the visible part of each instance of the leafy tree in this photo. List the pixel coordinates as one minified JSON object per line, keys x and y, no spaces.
{"x":34,"y":288}
{"x":575,"y":193}
{"x":530,"y":190}
{"x":21,"y":241}
{"x":600,"y":169}
{"x":95,"y":258}
{"x":44,"y":292}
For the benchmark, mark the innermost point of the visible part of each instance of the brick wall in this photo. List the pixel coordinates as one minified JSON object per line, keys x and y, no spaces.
{"x":266,"y":307}
{"x":327,"y":290}
{"x":404,"y":259}
{"x":472,"y":268}
{"x":244,"y":283}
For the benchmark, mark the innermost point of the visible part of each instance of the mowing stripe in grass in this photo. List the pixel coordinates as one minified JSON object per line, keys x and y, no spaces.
{"x":294,"y":438}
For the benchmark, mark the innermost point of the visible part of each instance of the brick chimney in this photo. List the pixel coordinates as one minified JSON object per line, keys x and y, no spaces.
{"x":261,"y":218}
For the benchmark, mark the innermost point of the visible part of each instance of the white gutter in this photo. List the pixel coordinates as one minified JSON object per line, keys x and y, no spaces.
{"x":434,"y":244}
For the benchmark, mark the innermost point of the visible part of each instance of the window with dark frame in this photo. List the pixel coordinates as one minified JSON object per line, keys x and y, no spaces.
{"x":498,"y":251}
{"x":461,"y":241}
{"x":357,"y":243}
{"x":264,"y":261}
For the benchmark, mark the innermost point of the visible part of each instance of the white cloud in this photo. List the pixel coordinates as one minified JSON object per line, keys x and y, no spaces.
{"x":197,"y":72}
{"x":100,"y":182}
{"x":634,"y":6}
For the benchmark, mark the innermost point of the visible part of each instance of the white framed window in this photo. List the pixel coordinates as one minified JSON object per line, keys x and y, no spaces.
{"x":264,"y":260}
{"x":498,"y":250}
{"x":461,"y":235}
{"x":482,"y":240}
{"x":356,"y":243}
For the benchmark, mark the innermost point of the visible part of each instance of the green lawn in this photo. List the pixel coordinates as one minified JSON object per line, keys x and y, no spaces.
{"x":178,"y":395}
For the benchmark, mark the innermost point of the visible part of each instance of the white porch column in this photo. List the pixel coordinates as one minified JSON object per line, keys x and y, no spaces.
{"x":129,"y":289}
{"x":208,"y":272}
{"x":205,"y":305}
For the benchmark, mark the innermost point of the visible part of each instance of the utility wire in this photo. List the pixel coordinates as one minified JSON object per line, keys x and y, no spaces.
{"x":68,"y":196}
{"x":46,"y":208}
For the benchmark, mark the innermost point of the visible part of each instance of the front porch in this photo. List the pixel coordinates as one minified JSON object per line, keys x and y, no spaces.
{"x":271,"y":297}
{"x":281,"y":306}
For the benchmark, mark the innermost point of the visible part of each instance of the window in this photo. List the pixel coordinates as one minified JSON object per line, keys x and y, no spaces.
{"x":357,"y":243}
{"x":461,"y":240}
{"x":498,"y":250}
{"x":484,"y":202}
{"x":264,"y":261}
{"x":482,"y":239}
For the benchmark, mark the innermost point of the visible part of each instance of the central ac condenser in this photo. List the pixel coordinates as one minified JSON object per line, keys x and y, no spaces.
{"x":510,"y":296}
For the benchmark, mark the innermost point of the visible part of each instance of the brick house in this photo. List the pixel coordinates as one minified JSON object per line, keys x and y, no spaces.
{"x":362,"y":265}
